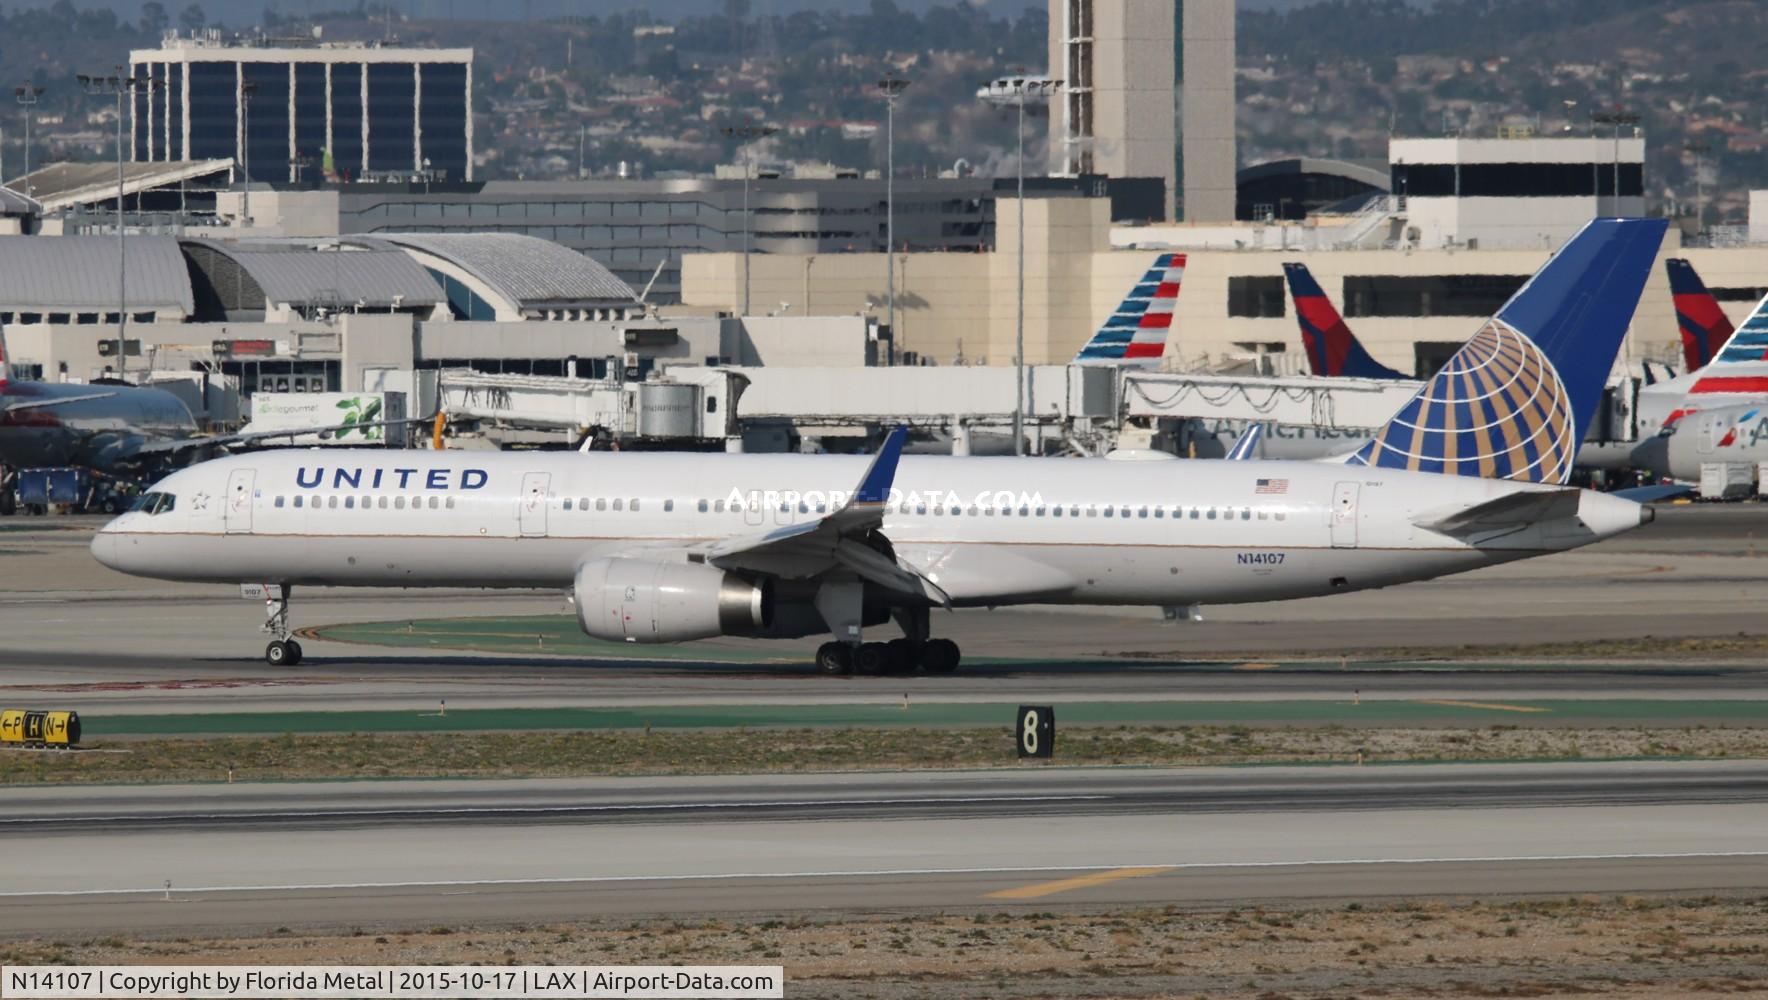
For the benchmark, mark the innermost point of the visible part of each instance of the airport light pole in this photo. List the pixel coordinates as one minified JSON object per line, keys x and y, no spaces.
{"x":27,"y":96}
{"x":121,"y":86}
{"x":1617,"y":119}
{"x":246,"y":91}
{"x":891,"y":86}
{"x":1016,"y":91}
{"x":747,"y":134}
{"x":1699,"y":148}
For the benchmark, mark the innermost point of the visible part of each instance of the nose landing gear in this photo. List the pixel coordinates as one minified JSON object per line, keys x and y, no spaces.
{"x":283,"y":650}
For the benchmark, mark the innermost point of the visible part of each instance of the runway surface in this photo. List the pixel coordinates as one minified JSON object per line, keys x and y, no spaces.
{"x":386,"y":853}
{"x":82,"y":636}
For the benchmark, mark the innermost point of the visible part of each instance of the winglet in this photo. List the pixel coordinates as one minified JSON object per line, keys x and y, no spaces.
{"x":1247,"y":443}
{"x":875,"y":486}
{"x":1704,"y":326}
{"x":5,"y":364}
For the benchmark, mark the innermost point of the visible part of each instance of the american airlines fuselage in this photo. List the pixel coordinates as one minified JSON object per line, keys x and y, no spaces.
{"x":986,"y":531}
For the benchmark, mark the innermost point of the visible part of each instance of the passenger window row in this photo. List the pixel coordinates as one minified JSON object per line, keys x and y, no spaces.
{"x":160,"y":503}
{"x":351,"y":502}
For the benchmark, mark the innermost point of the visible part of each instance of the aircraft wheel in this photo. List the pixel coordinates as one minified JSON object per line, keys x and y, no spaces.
{"x":834,"y":659}
{"x":871,"y":659}
{"x":902,"y":656}
{"x":278,"y":653}
{"x":940,"y":656}
{"x":295,"y":652}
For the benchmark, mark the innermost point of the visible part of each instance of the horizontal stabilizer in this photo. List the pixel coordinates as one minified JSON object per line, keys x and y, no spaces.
{"x":37,"y":404}
{"x":1655,"y":494}
{"x":1508,"y":512}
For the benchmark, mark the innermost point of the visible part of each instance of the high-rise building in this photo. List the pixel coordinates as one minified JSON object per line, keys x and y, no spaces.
{"x":281,"y":105}
{"x":1207,"y":150}
{"x":1119,"y":61}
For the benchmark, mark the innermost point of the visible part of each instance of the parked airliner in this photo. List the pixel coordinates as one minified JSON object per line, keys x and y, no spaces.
{"x":670,"y":547}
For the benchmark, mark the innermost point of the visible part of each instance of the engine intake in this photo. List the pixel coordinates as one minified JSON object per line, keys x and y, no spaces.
{"x":637,"y":600}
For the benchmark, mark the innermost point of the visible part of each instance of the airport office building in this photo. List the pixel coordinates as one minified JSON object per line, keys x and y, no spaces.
{"x":280,"y":104}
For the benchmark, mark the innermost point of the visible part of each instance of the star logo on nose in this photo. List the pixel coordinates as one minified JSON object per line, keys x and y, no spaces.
{"x":199,"y":502}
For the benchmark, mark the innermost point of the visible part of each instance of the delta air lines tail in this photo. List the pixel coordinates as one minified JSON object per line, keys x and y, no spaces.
{"x":1135,"y":333}
{"x":1702,"y":323}
{"x":1332,"y":349}
{"x":1514,"y":403}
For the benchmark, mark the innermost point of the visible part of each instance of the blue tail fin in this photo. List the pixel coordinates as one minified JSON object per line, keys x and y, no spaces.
{"x":1135,"y":334}
{"x":1332,"y":349}
{"x":1246,"y":445}
{"x":1514,"y":403}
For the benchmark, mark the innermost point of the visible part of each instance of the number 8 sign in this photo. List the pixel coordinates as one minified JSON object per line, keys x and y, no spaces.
{"x":1035,"y":729}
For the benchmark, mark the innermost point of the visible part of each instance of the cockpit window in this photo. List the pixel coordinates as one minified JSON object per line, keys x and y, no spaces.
{"x":155,"y":503}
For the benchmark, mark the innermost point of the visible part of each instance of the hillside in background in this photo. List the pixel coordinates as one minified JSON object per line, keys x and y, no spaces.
{"x":653,"y":87}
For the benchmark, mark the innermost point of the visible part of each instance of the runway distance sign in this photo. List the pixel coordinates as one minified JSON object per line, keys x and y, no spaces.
{"x":1035,"y":728}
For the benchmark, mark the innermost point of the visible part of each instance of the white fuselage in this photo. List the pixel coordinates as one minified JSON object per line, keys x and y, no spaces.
{"x":987,"y":531}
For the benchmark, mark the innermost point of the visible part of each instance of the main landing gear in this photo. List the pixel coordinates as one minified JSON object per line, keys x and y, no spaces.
{"x":283,"y":650}
{"x":898,"y":656}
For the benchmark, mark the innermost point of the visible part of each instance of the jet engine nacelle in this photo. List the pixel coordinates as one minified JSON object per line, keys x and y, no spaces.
{"x":637,"y":600}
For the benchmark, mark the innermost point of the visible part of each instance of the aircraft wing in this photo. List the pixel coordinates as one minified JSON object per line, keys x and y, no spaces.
{"x":1506,"y":513}
{"x":37,"y":404}
{"x":846,"y":538}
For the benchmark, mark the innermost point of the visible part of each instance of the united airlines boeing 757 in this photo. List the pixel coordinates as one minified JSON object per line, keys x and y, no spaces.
{"x":671,"y":547}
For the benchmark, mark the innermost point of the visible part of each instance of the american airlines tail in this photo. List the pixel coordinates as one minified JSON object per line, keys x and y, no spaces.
{"x":1514,"y":403}
{"x":1702,"y":323}
{"x":1739,"y":371}
{"x":1135,"y":333}
{"x":1332,"y":349}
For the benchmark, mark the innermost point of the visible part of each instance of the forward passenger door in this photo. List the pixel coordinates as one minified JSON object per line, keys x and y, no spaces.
{"x":1344,"y":515}
{"x":531,"y":506}
{"x":236,"y":516}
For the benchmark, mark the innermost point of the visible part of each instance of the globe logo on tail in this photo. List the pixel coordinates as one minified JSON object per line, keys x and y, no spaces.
{"x":1497,"y":410}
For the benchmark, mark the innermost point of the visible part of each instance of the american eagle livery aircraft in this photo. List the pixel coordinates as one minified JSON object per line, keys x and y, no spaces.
{"x":665,"y":547}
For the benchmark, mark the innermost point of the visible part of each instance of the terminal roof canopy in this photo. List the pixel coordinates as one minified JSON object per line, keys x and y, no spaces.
{"x":62,"y":185}
{"x":80,"y":273}
{"x":252,"y":275}
{"x":531,"y":273}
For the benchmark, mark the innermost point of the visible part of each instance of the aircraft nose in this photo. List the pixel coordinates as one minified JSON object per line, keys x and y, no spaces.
{"x":1652,"y":454}
{"x":104,"y":547}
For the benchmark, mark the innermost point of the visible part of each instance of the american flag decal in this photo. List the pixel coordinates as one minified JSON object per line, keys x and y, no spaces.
{"x":1272,"y":486}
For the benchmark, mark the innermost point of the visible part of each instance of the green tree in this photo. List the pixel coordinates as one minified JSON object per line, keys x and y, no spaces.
{"x":154,"y":18}
{"x":192,"y":18}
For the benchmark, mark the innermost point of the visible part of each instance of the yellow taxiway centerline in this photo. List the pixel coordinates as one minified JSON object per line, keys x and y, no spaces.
{"x":1492,"y":706}
{"x":1039,"y":889}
